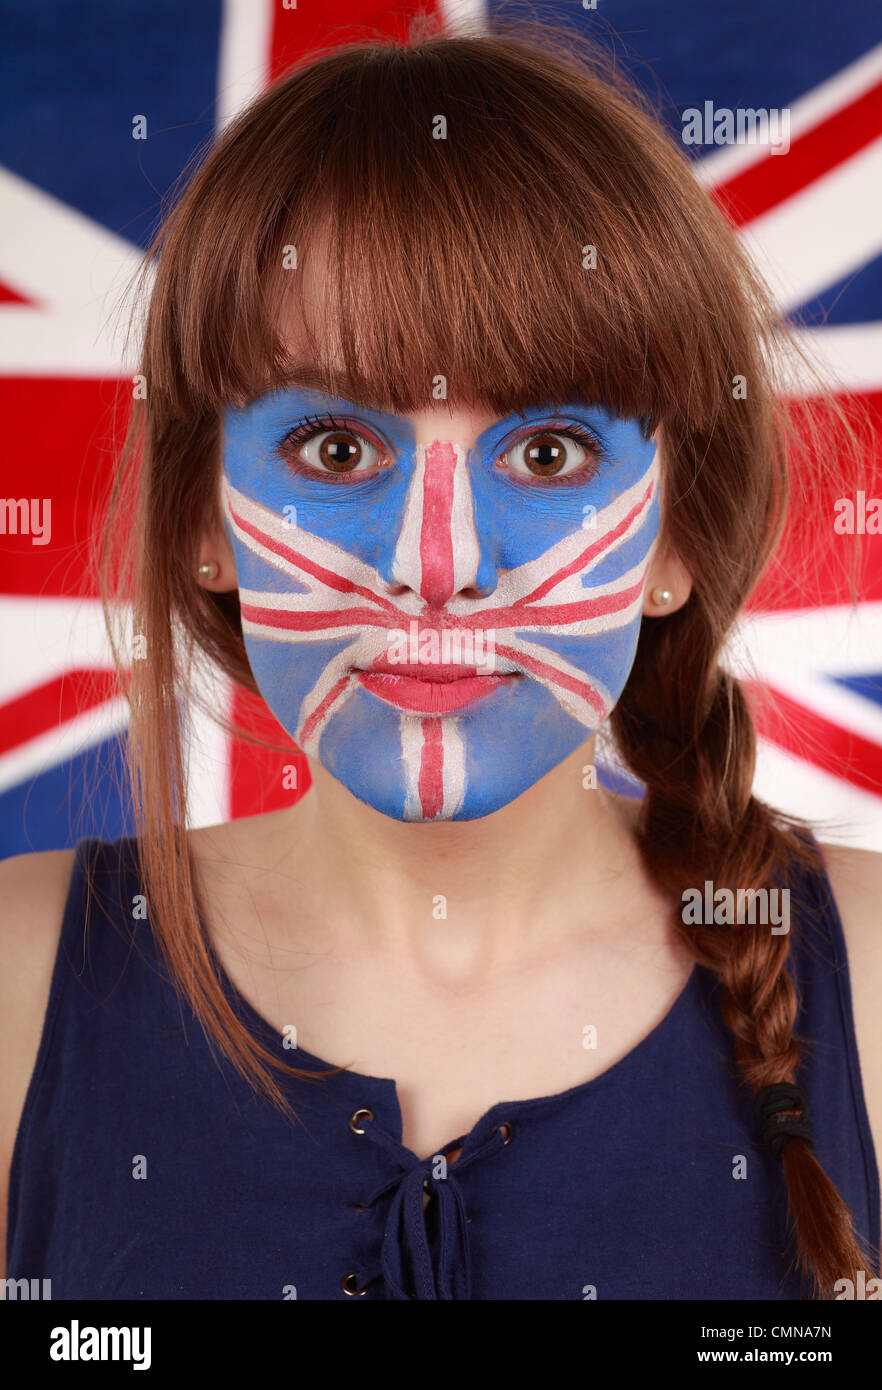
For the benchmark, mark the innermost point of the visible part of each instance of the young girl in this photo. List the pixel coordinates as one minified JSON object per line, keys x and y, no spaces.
{"x":442,"y":456}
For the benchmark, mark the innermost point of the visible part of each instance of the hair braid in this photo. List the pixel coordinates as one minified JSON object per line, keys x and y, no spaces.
{"x":700,"y":820}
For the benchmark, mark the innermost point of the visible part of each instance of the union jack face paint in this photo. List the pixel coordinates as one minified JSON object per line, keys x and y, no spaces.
{"x":440,"y":628}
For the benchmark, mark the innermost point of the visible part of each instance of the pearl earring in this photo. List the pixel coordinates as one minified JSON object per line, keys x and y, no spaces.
{"x":661,"y":597}
{"x":209,"y":570}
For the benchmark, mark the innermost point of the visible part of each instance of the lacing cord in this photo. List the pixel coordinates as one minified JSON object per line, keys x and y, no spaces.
{"x":412,"y":1265}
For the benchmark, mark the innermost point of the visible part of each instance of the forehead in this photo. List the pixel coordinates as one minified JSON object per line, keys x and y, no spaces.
{"x":328,"y":363}
{"x":336,"y":363}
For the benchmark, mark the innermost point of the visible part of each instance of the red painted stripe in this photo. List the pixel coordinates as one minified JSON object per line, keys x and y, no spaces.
{"x":324,"y":706}
{"x":329,"y":578}
{"x":489,"y":619}
{"x":314,"y":619}
{"x":436,"y":529}
{"x":56,"y":702}
{"x":777,"y":177}
{"x":591,"y":552}
{"x":431,"y":780}
{"x":813,"y":738}
{"x":548,"y":615}
{"x":561,"y":678}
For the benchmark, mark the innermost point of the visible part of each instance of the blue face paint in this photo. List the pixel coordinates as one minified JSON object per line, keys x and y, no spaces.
{"x":438,"y":627}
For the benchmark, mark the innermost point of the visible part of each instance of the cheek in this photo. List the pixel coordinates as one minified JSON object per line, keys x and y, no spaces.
{"x":286,"y":671}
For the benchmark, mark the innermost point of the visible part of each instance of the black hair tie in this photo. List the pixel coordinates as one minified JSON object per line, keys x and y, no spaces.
{"x":777,"y":1128}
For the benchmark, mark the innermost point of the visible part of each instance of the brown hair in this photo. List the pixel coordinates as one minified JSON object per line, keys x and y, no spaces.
{"x":465,"y":255}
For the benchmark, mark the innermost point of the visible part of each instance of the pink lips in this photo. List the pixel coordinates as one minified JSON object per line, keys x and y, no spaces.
{"x":429,"y":689}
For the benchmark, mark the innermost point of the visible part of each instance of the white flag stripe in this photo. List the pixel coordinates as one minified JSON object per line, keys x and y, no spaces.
{"x":77,"y":273}
{"x":243,"y":55}
{"x":806,"y":113}
{"x":823,"y":233}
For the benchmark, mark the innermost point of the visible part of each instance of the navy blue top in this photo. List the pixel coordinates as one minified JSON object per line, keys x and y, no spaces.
{"x":620,"y":1188}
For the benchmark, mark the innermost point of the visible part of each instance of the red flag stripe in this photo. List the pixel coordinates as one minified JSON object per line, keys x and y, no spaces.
{"x":47,"y":707}
{"x":806,"y":734}
{"x":777,"y":177}
{"x":297,"y":31}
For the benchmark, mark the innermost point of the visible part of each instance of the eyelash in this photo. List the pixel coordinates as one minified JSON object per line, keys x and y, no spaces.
{"x":590,"y":441}
{"x":317,"y":424}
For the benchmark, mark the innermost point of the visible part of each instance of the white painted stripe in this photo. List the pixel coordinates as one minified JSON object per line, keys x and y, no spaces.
{"x":331,"y":557}
{"x":464,"y":535}
{"x":411,"y":759}
{"x":334,"y":671}
{"x":381,"y":633}
{"x":406,"y":562}
{"x":573,"y":704}
{"x":515,"y":584}
{"x":453,"y":769}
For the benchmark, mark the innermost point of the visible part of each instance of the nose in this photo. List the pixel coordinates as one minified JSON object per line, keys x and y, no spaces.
{"x":438,"y":552}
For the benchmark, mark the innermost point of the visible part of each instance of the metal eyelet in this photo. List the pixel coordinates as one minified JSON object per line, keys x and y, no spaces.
{"x":358,"y":1115}
{"x":506,"y":1131}
{"x":349,"y":1285}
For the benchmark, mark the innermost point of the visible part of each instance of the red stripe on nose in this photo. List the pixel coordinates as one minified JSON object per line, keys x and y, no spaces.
{"x":436,"y":533}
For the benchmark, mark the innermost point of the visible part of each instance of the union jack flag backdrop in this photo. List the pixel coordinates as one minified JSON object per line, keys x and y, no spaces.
{"x":80,"y":197}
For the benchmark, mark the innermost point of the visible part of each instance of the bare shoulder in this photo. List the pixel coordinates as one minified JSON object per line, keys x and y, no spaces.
{"x":856,"y":880}
{"x":33,"y":889}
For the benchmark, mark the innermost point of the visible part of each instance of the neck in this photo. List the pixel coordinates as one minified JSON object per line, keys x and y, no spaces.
{"x":559,"y":859}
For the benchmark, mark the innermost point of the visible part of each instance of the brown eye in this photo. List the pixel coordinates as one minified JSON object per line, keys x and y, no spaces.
{"x":335,"y":453}
{"x":545,"y":455}
{"x":340,"y":452}
{"x":569,"y":455}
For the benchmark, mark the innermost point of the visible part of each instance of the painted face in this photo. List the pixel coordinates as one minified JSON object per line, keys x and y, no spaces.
{"x":439,"y":622}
